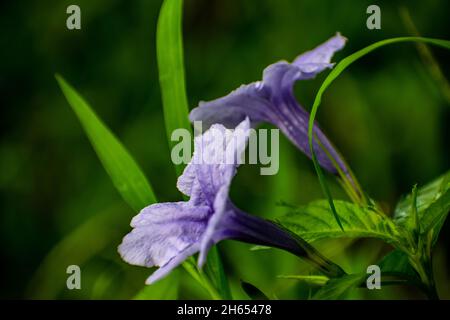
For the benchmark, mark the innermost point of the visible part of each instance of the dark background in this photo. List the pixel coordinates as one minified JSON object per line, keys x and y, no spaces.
{"x":388,"y":114}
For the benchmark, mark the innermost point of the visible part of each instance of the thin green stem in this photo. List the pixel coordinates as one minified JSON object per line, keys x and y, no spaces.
{"x":350,"y":185}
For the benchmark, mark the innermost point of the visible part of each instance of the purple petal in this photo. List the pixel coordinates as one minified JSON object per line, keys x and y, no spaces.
{"x":162,"y":232}
{"x":213,"y":165}
{"x":312,"y":62}
{"x":208,"y":177}
{"x":293,"y":120}
{"x":172,"y":264}
{"x":186,"y":181}
{"x":248,"y":100}
{"x":210,"y":235}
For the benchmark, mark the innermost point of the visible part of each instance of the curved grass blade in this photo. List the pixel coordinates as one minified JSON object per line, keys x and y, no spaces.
{"x":340,"y":67}
{"x":125,"y":173}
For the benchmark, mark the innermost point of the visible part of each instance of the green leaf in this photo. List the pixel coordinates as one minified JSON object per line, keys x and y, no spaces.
{"x":315,"y":221}
{"x":340,"y":67}
{"x":169,"y":46}
{"x":435,"y":215}
{"x":164,"y":289}
{"x":338,"y":288}
{"x":433,"y":205}
{"x":125,"y":173}
{"x":214,"y":270}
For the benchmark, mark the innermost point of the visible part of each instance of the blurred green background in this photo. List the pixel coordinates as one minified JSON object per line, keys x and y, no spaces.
{"x":387,"y":114}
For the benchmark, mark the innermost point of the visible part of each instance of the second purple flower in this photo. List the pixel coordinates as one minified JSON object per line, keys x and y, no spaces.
{"x":272,"y":100}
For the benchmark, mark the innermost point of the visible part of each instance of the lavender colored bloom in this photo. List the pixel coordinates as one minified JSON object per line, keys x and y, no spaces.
{"x":166,"y":234}
{"x":272,"y":100}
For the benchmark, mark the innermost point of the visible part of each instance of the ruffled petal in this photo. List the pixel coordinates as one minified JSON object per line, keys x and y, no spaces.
{"x":210,"y":235}
{"x":213,"y":165}
{"x":312,"y":62}
{"x":208,"y":177}
{"x":185,"y":182}
{"x":162,"y":232}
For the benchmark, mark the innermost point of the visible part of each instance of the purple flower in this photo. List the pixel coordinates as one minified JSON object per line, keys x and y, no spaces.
{"x":165,"y":234}
{"x":272,"y":100}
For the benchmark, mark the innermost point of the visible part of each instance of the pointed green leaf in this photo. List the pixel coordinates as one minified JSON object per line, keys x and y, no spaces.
{"x":435,"y":215}
{"x":315,"y":221}
{"x":125,"y":173}
{"x":433,"y":205}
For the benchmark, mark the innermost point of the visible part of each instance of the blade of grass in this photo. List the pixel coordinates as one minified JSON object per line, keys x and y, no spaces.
{"x":340,"y":67}
{"x":169,"y":47}
{"x":125,"y":173}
